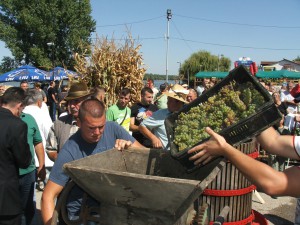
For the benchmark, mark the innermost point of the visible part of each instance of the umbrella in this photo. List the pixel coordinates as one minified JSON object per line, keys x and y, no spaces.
{"x":59,"y":73}
{"x":29,"y":73}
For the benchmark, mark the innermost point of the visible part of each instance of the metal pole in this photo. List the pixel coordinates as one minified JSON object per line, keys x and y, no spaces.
{"x":179,"y":69}
{"x":219,"y":61}
{"x":51,"y":44}
{"x":169,"y":16}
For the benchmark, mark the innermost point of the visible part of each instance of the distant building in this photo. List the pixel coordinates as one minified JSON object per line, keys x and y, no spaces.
{"x":284,"y":64}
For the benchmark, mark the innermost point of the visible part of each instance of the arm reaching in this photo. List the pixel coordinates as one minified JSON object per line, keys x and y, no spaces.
{"x":124,"y":144}
{"x":270,"y":180}
{"x":277,"y":144}
{"x":156,"y":142}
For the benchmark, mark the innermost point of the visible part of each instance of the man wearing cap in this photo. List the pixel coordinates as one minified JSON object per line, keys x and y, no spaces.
{"x":154,"y":126}
{"x":65,"y":126}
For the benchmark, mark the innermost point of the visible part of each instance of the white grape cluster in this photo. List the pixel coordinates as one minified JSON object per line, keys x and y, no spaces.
{"x":231,"y":104}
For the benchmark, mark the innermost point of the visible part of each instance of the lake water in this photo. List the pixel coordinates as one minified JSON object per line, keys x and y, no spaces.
{"x":157,"y":83}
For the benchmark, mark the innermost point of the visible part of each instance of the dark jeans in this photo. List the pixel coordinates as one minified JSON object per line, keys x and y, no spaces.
{"x":52,"y":110}
{"x":10,"y":220}
{"x":27,"y":182}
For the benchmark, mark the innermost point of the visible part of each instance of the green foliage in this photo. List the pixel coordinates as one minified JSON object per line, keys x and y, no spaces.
{"x":160,"y":77}
{"x":27,"y":27}
{"x":204,"y":61}
{"x":297,"y":59}
{"x":8,"y":64}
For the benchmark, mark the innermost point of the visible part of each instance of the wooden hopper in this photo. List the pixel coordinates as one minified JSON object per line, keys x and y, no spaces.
{"x":141,"y":186}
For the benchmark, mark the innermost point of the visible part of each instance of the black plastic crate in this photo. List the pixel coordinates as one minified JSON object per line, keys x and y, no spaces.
{"x":267,"y":115}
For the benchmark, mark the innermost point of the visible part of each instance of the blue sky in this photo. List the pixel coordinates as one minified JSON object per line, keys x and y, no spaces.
{"x":263,"y":30}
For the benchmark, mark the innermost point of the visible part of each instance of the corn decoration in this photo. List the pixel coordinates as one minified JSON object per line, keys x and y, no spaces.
{"x":113,"y":66}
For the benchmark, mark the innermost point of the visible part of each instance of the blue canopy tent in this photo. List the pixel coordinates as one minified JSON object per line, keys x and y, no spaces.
{"x":60,"y":73}
{"x":29,"y":73}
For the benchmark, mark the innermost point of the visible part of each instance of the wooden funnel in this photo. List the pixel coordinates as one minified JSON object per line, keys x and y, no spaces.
{"x":140,"y":186}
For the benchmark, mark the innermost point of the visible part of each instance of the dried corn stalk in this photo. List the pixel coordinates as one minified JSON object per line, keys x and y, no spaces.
{"x":113,"y":66}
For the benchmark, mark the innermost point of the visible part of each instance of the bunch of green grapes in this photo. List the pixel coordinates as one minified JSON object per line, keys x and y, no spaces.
{"x":231,"y":104}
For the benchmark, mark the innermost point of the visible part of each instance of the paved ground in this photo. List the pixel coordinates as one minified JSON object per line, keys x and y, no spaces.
{"x":278,"y":211}
{"x":37,"y":219}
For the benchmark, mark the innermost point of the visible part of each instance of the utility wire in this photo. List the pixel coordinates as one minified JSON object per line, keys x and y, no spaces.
{"x":238,"y":46}
{"x":207,"y":43}
{"x":203,"y":19}
{"x":135,"y":39}
{"x":239,"y":24}
{"x":134,"y":22}
{"x":173,"y":23}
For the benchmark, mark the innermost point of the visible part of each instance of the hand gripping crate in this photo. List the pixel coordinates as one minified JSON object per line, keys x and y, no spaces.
{"x":267,"y":115}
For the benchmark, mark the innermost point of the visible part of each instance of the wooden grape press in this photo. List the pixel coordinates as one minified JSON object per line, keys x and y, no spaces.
{"x":139,"y":186}
{"x":147,"y":186}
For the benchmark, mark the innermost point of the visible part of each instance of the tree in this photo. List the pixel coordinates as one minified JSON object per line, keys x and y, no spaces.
{"x":160,"y":77}
{"x":8,"y":64}
{"x":297,"y":59}
{"x":204,"y":61}
{"x":27,"y":26}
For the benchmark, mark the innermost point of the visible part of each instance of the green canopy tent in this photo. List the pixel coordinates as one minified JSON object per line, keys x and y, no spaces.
{"x":260,"y":74}
{"x":291,"y":74}
{"x":206,"y":74}
{"x":278,"y":74}
{"x":269,"y":74}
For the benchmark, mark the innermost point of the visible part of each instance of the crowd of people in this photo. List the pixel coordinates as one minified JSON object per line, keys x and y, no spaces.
{"x":44,"y":128}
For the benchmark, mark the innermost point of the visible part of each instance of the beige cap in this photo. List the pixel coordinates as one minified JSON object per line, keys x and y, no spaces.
{"x":178,"y":92}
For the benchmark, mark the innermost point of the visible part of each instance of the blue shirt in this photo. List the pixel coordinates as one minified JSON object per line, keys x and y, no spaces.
{"x":156,"y":123}
{"x":77,"y":148}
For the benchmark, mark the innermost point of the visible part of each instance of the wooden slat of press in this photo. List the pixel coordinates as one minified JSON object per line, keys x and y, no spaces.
{"x":218,"y":187}
{"x":224,"y":186}
{"x":231,"y":172}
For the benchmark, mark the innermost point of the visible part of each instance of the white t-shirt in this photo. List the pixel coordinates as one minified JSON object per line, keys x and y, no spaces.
{"x":44,"y":123}
{"x":286,"y":96}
